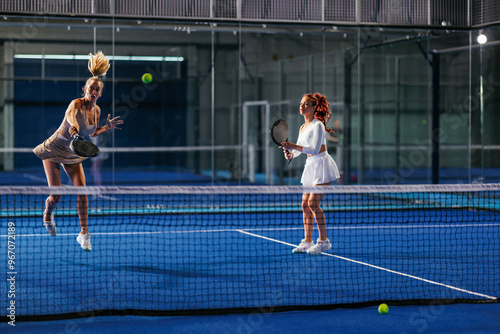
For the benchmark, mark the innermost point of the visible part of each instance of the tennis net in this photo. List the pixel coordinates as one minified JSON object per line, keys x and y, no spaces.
{"x":191,"y":250}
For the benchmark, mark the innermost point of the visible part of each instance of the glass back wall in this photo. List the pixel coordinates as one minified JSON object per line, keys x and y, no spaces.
{"x":408,"y":106}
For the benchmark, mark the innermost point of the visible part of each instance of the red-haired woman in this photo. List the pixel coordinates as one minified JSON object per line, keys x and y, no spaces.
{"x":81,"y":117}
{"x":320,"y":168}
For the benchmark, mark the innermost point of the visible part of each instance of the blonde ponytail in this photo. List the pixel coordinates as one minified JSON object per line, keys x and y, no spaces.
{"x":98,"y":64}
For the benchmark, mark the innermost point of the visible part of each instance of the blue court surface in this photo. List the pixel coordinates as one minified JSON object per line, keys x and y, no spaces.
{"x":188,"y":259}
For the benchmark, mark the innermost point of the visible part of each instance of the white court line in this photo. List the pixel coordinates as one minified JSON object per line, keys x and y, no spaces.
{"x":123,"y":233}
{"x":411,"y":226}
{"x":356,"y":227}
{"x":379,"y":268}
{"x":271,"y":229}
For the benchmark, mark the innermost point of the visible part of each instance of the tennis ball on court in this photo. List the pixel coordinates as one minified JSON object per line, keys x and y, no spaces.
{"x":383,"y":308}
{"x":147,"y":78}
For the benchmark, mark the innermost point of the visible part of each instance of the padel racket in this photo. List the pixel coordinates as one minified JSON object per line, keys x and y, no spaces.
{"x":83,"y":147}
{"x":279,"y":133}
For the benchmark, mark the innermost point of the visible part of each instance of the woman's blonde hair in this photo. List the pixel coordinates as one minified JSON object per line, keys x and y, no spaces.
{"x":98,"y":65}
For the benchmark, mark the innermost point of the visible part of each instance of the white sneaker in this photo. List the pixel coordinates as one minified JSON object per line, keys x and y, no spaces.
{"x":303,"y":246}
{"x":51,"y":226}
{"x":84,"y":241}
{"x":321,"y":246}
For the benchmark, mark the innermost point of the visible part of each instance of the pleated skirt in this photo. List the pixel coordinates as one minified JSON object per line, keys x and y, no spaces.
{"x":56,"y":149}
{"x":319,"y":169}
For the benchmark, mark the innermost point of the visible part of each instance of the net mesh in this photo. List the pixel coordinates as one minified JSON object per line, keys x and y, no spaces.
{"x":166,"y":250}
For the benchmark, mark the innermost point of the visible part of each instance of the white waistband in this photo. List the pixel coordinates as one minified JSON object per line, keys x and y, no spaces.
{"x":317,"y":156}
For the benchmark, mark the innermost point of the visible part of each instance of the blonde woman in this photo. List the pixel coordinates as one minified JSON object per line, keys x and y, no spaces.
{"x":81,"y":117}
{"x":320,"y":168}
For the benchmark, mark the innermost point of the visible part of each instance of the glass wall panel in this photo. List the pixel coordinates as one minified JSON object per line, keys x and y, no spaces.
{"x":408,"y":106}
{"x":484,"y":104}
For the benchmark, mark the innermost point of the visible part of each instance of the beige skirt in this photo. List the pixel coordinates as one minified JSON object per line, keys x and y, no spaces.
{"x":56,"y":149}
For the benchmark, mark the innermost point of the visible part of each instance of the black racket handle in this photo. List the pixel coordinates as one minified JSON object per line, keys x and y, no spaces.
{"x":76,"y":134}
{"x":289,"y":160}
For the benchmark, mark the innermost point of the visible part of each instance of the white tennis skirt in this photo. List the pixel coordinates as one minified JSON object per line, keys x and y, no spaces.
{"x":319,"y":169}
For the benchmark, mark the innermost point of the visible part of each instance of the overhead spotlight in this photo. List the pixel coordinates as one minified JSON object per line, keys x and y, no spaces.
{"x":481,"y":38}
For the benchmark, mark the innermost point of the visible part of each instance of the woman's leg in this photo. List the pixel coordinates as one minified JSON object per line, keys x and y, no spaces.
{"x":307,"y":217}
{"x":53,"y":174}
{"x":77,"y":176}
{"x":318,"y":214}
{"x":313,"y":203}
{"x":308,"y":227}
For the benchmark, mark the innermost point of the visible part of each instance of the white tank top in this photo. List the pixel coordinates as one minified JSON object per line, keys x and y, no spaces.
{"x":85,"y":128}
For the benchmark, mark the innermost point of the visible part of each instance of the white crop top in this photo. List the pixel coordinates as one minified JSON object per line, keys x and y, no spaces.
{"x":311,"y":138}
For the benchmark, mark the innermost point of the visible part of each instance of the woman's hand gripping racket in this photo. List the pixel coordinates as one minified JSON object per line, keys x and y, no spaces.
{"x":279,"y":133}
{"x":83,"y":147}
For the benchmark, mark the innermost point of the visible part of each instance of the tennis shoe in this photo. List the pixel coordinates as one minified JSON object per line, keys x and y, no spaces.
{"x":84,"y":241}
{"x":321,"y":246}
{"x":51,"y":226}
{"x":303,"y":246}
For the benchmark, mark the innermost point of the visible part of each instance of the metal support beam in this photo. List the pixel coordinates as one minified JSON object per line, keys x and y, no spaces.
{"x":346,"y":143}
{"x":435,"y":118}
